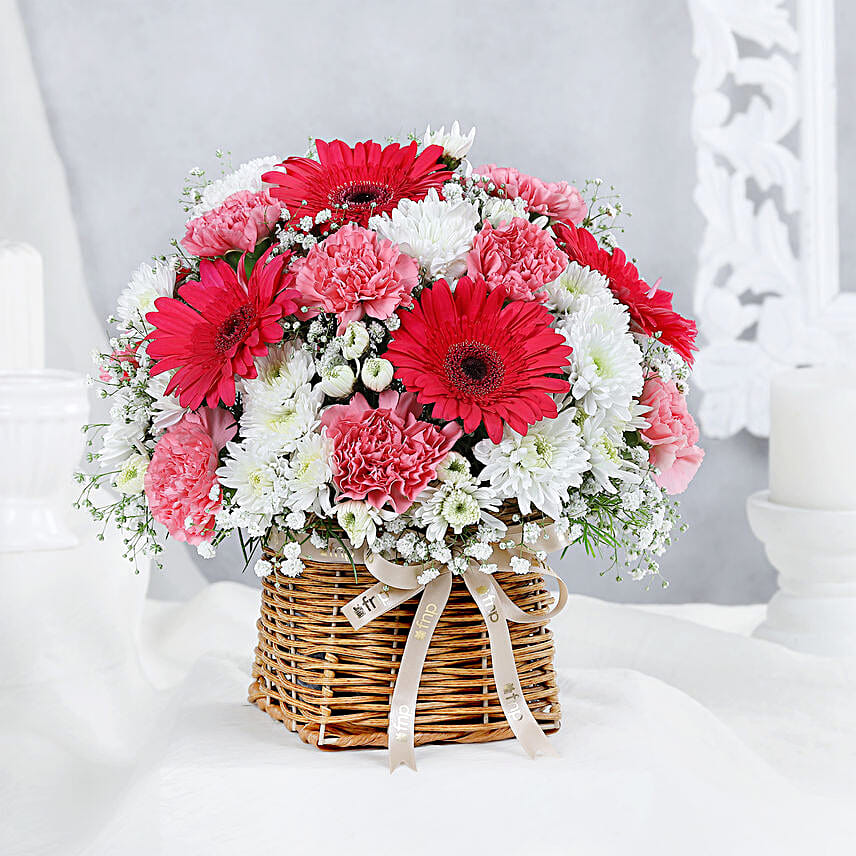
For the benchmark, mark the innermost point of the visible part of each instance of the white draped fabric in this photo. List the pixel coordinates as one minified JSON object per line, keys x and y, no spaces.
{"x":124,"y":728}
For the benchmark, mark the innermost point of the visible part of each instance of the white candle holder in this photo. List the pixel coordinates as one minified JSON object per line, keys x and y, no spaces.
{"x":814,"y":552}
{"x":41,"y":416}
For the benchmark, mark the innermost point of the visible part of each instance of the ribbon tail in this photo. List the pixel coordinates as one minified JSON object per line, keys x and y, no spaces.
{"x":526,"y":729}
{"x":402,"y":711}
{"x":514,"y":613}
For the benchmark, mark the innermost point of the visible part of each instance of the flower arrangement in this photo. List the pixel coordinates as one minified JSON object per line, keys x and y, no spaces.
{"x":385,"y":347}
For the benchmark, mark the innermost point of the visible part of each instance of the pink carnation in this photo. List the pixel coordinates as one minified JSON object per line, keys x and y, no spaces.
{"x":385,"y":454}
{"x":672,"y":435}
{"x":355,"y":273}
{"x":517,"y":255}
{"x":181,"y":476}
{"x":557,"y":199}
{"x":238,"y":224}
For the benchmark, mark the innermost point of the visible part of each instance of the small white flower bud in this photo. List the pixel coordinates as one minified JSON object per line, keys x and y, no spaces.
{"x":377,"y":373}
{"x":338,"y":381}
{"x":355,"y":340}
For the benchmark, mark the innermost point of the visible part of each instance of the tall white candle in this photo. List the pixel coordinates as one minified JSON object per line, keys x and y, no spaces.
{"x":813,"y":438}
{"x":22,"y":312}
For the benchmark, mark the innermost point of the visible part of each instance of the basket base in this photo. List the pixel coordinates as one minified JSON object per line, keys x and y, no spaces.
{"x":379,"y":740}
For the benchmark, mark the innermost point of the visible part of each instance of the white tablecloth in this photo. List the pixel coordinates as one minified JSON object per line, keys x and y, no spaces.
{"x":680,"y":735}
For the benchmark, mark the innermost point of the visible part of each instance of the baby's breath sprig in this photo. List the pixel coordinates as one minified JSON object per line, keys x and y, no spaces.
{"x":605,"y":210}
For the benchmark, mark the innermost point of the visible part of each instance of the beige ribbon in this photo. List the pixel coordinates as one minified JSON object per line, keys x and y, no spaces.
{"x":398,"y":583}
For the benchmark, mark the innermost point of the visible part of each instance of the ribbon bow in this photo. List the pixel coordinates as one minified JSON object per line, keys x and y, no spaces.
{"x":398,"y":583}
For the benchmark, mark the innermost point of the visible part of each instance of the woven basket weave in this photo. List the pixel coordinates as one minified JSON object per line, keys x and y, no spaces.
{"x":332,"y":684}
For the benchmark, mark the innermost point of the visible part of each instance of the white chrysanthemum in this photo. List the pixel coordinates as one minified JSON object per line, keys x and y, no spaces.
{"x":148,"y":283}
{"x":454,"y":469}
{"x":617,"y":421}
{"x":166,"y":409}
{"x":497,"y":211}
{"x":574,"y":289}
{"x":132,"y":474}
{"x":459,"y":505}
{"x":250,"y":469}
{"x":359,"y":520}
{"x":247,"y":176}
{"x":129,"y":418}
{"x":281,"y":372}
{"x":119,"y":441}
{"x":606,"y":363}
{"x":537,"y":469}
{"x":280,"y":424}
{"x":310,"y":476}
{"x":436,"y":233}
{"x":604,"y":458}
{"x":455,"y":144}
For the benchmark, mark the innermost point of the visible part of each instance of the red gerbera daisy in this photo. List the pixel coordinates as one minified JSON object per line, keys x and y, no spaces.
{"x":355,"y":183}
{"x":218,"y":328}
{"x":650,"y":308}
{"x":477,"y":360}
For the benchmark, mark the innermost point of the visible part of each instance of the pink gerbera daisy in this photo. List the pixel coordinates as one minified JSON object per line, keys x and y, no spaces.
{"x":218,"y":327}
{"x":479,"y":361}
{"x":355,"y":183}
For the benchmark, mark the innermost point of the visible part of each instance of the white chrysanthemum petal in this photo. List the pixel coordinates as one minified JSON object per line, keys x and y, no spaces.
{"x":280,"y":423}
{"x":358,"y":521}
{"x":281,"y":372}
{"x":438,"y":234}
{"x":539,"y":468}
{"x":496,"y":210}
{"x":250,"y":469}
{"x":606,"y":462}
{"x":454,"y":505}
{"x":606,"y":363}
{"x":129,"y":419}
{"x":131,"y":476}
{"x":247,"y":176}
{"x":568,"y":293}
{"x":455,"y":144}
{"x":148,"y":283}
{"x":310,"y":477}
{"x":166,"y":409}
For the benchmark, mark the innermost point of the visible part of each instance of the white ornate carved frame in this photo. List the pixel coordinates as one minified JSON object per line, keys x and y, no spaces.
{"x":767,"y":292}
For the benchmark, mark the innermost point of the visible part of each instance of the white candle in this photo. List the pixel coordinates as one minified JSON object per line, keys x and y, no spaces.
{"x":813,"y":438}
{"x":22,"y":313}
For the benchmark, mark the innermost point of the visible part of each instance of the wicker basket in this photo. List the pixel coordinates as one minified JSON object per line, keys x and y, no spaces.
{"x":332,"y":684}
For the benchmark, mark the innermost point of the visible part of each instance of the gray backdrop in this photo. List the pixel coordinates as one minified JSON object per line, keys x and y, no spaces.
{"x":137,"y":93}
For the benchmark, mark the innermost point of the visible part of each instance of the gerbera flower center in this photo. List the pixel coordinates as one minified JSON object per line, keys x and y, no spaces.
{"x":360,"y":193}
{"x":474,"y":368}
{"x":235,"y":328}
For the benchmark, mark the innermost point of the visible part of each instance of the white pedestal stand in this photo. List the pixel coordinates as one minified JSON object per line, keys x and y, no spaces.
{"x":814,"y":551}
{"x":42,"y":412}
